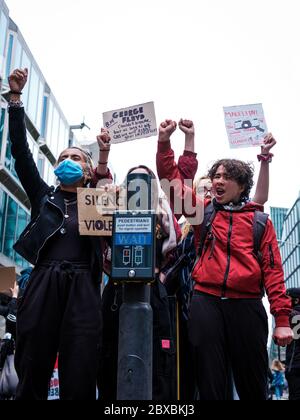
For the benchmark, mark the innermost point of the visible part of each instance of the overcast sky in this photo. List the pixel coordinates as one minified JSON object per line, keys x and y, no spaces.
{"x":190,"y":57}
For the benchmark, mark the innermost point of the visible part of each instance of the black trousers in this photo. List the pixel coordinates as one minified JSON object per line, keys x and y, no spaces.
{"x":59,"y":314}
{"x":293,"y":379}
{"x":229,"y":335}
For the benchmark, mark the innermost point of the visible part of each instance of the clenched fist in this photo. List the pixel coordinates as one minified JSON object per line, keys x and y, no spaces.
{"x":17,"y":80}
{"x":166,"y":129}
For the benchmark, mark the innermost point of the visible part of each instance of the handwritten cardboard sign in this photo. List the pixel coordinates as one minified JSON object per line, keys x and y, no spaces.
{"x":7,"y":278}
{"x":135,"y":122}
{"x":245,"y":125}
{"x":95,"y":209}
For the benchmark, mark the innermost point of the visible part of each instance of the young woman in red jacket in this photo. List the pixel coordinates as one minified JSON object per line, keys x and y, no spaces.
{"x":228,"y":323}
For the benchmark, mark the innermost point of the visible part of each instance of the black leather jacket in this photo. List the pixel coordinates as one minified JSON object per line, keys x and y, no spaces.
{"x":47,"y":206}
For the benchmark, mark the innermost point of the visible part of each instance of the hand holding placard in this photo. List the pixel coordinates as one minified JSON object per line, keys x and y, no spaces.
{"x":269,"y":143}
{"x":245,"y":125}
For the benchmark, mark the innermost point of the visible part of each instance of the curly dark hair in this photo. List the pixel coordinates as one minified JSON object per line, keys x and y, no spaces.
{"x":239,"y":171}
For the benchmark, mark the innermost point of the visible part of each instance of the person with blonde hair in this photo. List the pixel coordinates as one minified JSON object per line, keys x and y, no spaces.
{"x":278,"y":378}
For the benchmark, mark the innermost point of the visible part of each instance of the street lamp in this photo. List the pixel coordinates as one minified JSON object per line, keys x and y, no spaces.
{"x":76,"y":127}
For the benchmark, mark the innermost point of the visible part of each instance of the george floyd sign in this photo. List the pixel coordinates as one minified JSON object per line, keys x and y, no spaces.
{"x":132,"y":123}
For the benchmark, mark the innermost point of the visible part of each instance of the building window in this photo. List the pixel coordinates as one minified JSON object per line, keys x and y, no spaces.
{"x":33,"y":95}
{"x":3,"y":29}
{"x":2,"y":121}
{"x":40,"y":107}
{"x":10,"y":228}
{"x":40,"y":165}
{"x":21,"y":225}
{"x":13,"y":220}
{"x":44,"y":117}
{"x":3,"y":203}
{"x":8,"y":155}
{"x":9,"y":56}
{"x":9,"y":160}
{"x":55,"y":133}
{"x":25,"y":64}
{"x":18,"y":54}
{"x":49,"y":122}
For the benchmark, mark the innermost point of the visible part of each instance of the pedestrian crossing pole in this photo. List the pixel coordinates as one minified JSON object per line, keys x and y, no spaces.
{"x":133,"y":265}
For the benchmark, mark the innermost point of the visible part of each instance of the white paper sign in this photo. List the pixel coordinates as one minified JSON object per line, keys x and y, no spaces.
{"x":246,"y":125}
{"x":135,"y":122}
{"x":130,"y":225}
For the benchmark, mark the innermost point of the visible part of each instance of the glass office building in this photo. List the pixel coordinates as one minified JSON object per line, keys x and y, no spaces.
{"x":290,"y":246}
{"x":287,"y":226}
{"x":278,"y":215}
{"x":47,"y":132}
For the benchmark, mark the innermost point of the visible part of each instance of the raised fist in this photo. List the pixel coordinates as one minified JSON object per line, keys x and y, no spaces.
{"x":104,"y":140}
{"x":166,"y":129}
{"x":187,"y":127}
{"x":17,"y":80}
{"x":269,"y":142}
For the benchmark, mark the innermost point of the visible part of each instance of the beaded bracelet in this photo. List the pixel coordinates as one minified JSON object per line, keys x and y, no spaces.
{"x":15,"y":104}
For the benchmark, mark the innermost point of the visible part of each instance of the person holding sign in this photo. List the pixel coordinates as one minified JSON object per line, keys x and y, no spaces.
{"x":60,"y":309}
{"x":228,"y":325}
{"x":185,"y":252}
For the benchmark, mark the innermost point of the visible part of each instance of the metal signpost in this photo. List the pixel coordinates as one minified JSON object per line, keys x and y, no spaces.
{"x":133,"y":265}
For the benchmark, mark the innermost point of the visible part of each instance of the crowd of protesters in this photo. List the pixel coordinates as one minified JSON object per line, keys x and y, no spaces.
{"x":217,"y":263}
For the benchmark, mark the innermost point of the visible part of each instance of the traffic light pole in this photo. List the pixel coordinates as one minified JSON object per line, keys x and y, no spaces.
{"x":133,"y":265}
{"x":135,"y":344}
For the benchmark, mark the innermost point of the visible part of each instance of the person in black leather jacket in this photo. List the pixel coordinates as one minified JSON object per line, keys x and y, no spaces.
{"x":59,"y":312}
{"x":292,"y":372}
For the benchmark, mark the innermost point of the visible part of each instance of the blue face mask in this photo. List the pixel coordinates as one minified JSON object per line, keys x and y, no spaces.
{"x":69,"y":172}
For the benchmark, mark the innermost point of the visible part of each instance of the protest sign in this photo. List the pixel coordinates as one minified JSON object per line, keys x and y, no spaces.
{"x":246,"y":125}
{"x":7,"y":278}
{"x":95,"y":210}
{"x":127,"y":124}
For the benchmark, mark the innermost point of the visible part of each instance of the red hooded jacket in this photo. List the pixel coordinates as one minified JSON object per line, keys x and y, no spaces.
{"x":228,"y":267}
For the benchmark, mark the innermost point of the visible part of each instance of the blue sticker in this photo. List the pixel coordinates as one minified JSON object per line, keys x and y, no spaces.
{"x":140,"y":239}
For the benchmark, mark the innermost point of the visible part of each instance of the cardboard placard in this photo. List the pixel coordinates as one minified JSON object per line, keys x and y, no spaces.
{"x":132,"y":123}
{"x":7,"y":278}
{"x":95,"y":210}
